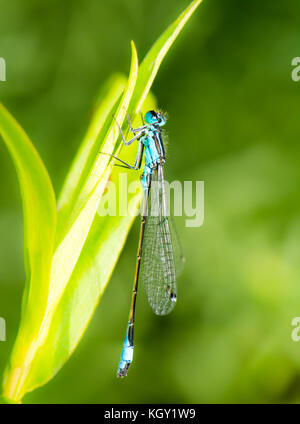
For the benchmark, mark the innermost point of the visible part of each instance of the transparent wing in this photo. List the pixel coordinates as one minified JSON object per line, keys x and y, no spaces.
{"x":179,"y":258}
{"x":158,"y":264}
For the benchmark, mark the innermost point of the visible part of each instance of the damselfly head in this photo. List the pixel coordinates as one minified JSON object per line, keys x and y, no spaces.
{"x":157,"y":118}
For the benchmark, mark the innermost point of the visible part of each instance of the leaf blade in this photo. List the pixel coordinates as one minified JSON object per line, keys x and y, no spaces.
{"x":39,"y":208}
{"x":25,"y":377}
{"x":91,"y":275}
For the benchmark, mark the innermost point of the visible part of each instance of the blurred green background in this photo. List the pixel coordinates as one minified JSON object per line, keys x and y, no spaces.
{"x":233,"y":122}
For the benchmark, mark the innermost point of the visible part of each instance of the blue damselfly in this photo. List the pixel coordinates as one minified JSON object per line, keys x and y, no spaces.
{"x":159,"y":258}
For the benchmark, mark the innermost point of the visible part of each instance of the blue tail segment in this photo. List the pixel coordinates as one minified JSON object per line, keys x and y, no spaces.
{"x":127,"y":352}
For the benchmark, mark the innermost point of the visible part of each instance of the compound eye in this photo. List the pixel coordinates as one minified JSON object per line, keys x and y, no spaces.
{"x":154,"y":114}
{"x":151,"y":117}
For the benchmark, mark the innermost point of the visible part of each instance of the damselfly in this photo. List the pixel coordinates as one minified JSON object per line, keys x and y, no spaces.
{"x":159,"y":258}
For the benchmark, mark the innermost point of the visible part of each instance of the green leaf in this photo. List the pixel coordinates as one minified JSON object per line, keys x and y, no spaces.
{"x":39,"y":209}
{"x":22,"y":374}
{"x":88,"y":245}
{"x":91,"y":275}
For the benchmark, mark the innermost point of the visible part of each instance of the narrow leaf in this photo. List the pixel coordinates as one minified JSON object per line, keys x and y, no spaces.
{"x":99,"y":256}
{"x":39,"y":227}
{"x":26,"y":376}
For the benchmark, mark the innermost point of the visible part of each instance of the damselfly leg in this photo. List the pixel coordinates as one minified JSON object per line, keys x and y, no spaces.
{"x":140,"y":149}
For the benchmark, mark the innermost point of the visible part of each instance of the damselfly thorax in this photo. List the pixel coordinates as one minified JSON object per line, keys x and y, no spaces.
{"x":154,"y":152}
